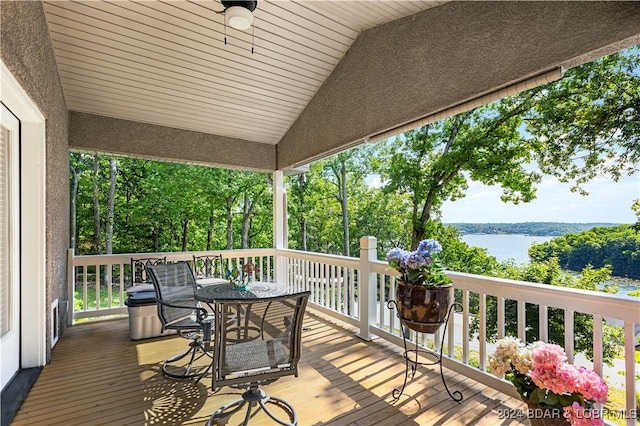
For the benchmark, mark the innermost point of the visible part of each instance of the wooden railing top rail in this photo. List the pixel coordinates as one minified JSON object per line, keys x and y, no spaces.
{"x":333,"y":259}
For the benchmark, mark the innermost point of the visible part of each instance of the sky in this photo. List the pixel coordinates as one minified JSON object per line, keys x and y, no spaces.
{"x":608,"y":201}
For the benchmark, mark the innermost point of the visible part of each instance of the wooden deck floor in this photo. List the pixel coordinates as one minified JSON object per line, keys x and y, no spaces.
{"x":98,"y":376}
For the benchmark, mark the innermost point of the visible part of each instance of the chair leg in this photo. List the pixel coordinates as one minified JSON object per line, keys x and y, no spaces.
{"x":253,"y":397}
{"x":187,"y":371}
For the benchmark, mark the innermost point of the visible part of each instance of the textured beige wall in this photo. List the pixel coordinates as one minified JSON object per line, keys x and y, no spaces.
{"x":424,"y":63}
{"x":27,"y":51}
{"x":94,"y":133}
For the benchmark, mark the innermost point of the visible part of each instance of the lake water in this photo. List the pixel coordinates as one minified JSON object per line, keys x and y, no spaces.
{"x":505,"y":246}
{"x":516,"y":247}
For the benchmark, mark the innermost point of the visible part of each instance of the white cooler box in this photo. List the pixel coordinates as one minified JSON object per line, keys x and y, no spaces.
{"x":143,"y":314}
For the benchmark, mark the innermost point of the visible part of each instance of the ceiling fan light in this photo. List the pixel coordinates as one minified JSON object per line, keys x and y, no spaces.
{"x":238,"y":17}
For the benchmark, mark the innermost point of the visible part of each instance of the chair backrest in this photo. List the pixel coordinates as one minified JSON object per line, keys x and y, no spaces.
{"x":273,"y":354}
{"x":139,"y":273}
{"x":211,"y":266}
{"x":175,"y":285}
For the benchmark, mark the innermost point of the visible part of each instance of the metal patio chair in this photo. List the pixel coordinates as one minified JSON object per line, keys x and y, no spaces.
{"x":178,"y":310}
{"x":251,"y":364}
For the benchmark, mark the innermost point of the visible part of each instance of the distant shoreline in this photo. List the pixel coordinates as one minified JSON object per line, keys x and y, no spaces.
{"x":533,"y":229}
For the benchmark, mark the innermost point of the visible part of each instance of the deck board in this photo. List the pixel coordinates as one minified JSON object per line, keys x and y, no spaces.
{"x":98,"y":376}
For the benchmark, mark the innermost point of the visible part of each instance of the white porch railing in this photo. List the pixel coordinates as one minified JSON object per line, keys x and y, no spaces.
{"x":356,"y":290}
{"x":99,"y":301}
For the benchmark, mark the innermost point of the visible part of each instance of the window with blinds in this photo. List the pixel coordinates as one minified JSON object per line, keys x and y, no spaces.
{"x":6,"y":295}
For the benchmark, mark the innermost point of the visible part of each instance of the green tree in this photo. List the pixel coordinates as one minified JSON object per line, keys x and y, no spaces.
{"x":432,"y":164}
{"x":587,"y":124}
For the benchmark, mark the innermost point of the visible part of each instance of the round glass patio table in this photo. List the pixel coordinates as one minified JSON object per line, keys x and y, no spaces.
{"x":224,"y":292}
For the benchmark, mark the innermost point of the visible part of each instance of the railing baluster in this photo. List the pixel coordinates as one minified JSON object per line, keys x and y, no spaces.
{"x":597,"y":344}
{"x":451,"y":330}
{"x":98,"y":284}
{"x":482,"y":330}
{"x":568,"y":334}
{"x":500,"y":325}
{"x":465,"y":326}
{"x":84,"y":288}
{"x":543,"y":323}
{"x":121,"y":289}
{"x":522,"y":320}
{"x":340,"y":287}
{"x":109,"y":285}
{"x":630,"y":371}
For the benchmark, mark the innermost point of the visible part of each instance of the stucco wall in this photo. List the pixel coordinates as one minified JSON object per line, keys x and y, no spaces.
{"x":430,"y":61}
{"x":27,"y":51}
{"x":95,"y":133}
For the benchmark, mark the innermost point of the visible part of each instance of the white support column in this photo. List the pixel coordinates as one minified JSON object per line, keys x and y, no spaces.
{"x":367,"y":287}
{"x":279,"y":225}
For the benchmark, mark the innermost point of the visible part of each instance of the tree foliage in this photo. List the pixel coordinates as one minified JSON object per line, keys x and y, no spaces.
{"x":615,"y":247}
{"x":587,"y":124}
{"x":167,"y":207}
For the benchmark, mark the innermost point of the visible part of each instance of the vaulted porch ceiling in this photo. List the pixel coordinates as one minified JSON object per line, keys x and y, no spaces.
{"x":155,"y":79}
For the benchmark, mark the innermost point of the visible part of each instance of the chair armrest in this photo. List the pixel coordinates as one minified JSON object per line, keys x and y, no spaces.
{"x":201,"y":313}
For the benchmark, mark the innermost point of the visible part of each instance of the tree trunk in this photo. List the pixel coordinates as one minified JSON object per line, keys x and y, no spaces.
{"x":343,"y":206}
{"x":210,"y":232}
{"x":247,"y":208}
{"x":303,"y":218}
{"x":185,"y":234}
{"x":111,"y":201}
{"x":229,"y":223}
{"x":97,"y":240}
{"x":156,"y":239}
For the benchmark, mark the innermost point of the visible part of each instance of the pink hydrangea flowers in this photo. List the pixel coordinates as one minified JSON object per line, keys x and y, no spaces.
{"x":542,"y":375}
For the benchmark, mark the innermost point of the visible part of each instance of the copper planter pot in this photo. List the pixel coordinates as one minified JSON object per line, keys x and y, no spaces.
{"x":423,"y":308}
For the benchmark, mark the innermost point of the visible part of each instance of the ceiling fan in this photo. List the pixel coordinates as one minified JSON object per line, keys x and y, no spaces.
{"x":238,"y":14}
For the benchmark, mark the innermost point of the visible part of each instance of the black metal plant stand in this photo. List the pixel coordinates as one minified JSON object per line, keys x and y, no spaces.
{"x":411,"y":355}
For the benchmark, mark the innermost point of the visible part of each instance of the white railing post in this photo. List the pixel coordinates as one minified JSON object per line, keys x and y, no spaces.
{"x":279,"y":227}
{"x":71,"y":285}
{"x":367,"y":287}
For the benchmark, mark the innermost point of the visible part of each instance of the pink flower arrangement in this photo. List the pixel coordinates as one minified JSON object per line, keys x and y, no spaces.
{"x":543,"y":377}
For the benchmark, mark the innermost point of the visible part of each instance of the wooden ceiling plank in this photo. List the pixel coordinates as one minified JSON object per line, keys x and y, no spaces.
{"x":303,"y":27}
{"x":126,"y":11}
{"x":214,"y":32}
{"x":217,"y":72}
{"x":177,"y":121}
{"x":209,"y":55}
{"x":193,"y":110}
{"x":265,"y":99}
{"x":132,"y":61}
{"x":272,"y":115}
{"x":147,"y":78}
{"x":143,"y":82}
{"x":317,"y":18}
{"x":234,"y":58}
{"x":73,"y":12}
